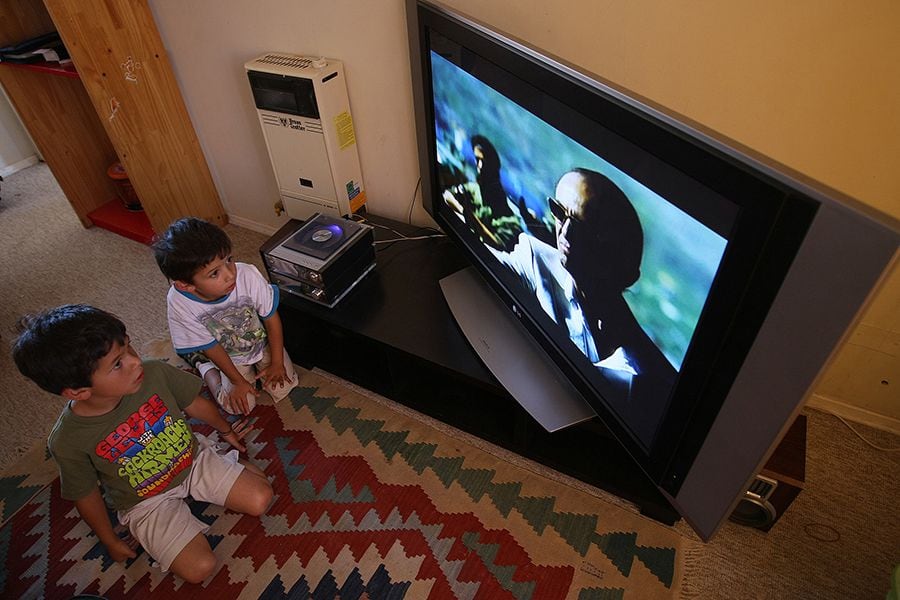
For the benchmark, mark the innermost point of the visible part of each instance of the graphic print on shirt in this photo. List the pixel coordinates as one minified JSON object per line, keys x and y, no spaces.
{"x":151,"y":447}
{"x":237,"y":328}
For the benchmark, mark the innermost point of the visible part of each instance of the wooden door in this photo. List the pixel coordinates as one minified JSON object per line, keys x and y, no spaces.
{"x":124,"y":68}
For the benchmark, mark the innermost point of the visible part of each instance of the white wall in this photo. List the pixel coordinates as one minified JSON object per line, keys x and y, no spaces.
{"x":16,"y":149}
{"x":210,"y":40}
{"x":814,"y":84}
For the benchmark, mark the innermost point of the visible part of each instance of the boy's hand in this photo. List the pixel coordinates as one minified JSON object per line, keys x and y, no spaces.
{"x":93,"y":510}
{"x":236,"y":401}
{"x":239,"y":429}
{"x":274,"y":374}
{"x":122,"y":549}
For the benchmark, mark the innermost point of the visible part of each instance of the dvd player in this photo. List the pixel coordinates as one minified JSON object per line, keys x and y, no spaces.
{"x":320,"y":260}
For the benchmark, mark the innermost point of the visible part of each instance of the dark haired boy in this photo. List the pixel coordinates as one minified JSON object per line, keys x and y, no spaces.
{"x":124,"y":426}
{"x":227,"y":312}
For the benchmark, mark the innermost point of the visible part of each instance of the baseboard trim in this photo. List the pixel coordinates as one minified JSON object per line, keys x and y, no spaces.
{"x":854,"y":413}
{"x":252,"y":225}
{"x":18,"y":166}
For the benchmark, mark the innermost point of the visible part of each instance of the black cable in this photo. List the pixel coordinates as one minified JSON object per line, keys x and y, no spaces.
{"x":413,"y":203}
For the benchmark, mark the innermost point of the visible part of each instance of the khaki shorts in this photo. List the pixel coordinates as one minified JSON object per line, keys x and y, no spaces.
{"x":249,"y":372}
{"x":163,"y":524}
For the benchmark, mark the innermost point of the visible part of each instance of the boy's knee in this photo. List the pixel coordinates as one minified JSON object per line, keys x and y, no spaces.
{"x":260,"y":501}
{"x":202,"y":572}
{"x":199,"y":569}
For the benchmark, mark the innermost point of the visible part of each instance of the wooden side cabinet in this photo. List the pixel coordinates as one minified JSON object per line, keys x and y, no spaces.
{"x":125,"y":104}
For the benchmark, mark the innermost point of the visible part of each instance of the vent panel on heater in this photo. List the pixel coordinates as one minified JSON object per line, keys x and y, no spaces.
{"x":285,"y":60}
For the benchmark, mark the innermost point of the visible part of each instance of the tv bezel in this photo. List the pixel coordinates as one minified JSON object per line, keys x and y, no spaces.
{"x":779,"y":209}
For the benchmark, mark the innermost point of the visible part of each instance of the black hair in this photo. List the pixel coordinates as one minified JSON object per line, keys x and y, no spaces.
{"x":60,"y":347}
{"x":188,"y":245}
{"x":491,"y":159}
{"x":616,"y":245}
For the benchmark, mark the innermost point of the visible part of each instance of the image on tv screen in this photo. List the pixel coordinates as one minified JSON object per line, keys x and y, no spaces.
{"x":614,"y":273}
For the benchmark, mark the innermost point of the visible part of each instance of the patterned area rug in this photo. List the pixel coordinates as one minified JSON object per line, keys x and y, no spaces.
{"x":369,"y":504}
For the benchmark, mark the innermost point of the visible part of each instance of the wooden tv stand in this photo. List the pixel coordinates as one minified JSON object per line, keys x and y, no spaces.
{"x":394,"y":334}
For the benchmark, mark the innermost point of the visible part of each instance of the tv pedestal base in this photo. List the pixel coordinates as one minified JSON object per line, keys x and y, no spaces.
{"x":394,"y":334}
{"x":513,"y":357}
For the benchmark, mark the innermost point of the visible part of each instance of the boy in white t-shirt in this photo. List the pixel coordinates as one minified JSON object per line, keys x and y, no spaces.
{"x":225,"y":311}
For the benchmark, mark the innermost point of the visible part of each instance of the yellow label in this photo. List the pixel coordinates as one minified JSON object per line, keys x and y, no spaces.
{"x":357,"y":202}
{"x":344,"y":124}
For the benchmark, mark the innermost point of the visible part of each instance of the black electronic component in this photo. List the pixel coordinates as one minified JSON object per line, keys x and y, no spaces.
{"x":320,"y":260}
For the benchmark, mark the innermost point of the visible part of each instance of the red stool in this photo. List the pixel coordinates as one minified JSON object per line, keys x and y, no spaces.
{"x":127,"y":195}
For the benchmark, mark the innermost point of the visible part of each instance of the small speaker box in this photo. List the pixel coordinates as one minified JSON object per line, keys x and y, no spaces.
{"x":778,"y":484}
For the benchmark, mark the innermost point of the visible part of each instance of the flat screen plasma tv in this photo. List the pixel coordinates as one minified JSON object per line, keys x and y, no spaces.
{"x":683,"y":289}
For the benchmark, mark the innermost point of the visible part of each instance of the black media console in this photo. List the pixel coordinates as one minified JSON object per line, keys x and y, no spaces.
{"x":394,"y":334}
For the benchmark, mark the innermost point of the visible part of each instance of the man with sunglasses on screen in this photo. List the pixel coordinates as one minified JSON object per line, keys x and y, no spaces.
{"x":579,"y":283}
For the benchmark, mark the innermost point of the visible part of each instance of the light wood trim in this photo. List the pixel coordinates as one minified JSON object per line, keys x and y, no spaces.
{"x":125,"y":70}
{"x":65,"y":128}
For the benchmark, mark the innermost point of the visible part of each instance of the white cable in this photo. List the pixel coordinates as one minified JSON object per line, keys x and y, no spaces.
{"x":859,"y":435}
{"x":404,"y":238}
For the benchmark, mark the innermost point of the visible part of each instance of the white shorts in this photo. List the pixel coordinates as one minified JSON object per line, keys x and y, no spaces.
{"x":164,"y":524}
{"x":249,"y":372}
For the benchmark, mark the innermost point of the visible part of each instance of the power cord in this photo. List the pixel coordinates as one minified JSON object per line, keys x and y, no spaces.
{"x":400,"y":236}
{"x":860,"y":436}
{"x":413,"y":202}
{"x":407,"y":238}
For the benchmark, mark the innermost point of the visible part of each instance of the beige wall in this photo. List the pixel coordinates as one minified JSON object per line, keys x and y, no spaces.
{"x":16,"y":149}
{"x":210,"y":40}
{"x":863,"y":381}
{"x":814,"y":84}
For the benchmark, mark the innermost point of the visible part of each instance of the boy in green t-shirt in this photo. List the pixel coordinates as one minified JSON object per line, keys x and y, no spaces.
{"x":124,"y":427}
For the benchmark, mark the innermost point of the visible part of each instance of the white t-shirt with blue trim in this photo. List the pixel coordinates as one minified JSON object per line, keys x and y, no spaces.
{"x":234,"y":321}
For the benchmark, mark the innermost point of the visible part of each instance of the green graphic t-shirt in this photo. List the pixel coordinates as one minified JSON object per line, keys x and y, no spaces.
{"x":139,"y":449}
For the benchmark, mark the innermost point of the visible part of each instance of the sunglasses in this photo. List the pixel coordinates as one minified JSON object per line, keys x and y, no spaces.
{"x":559,"y":212}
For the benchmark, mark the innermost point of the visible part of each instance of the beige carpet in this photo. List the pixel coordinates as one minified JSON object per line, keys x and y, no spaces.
{"x":838,"y":540}
{"x":47,"y":258}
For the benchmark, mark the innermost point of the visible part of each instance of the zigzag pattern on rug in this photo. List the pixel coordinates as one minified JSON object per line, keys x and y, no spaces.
{"x":339,"y":527}
{"x":580,"y":531}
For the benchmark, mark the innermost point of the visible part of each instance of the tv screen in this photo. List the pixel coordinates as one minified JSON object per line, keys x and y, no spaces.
{"x":619,"y":287}
{"x":644,"y":256}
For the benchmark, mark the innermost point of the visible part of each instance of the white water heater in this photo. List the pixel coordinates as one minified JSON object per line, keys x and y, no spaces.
{"x":305,"y":117}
